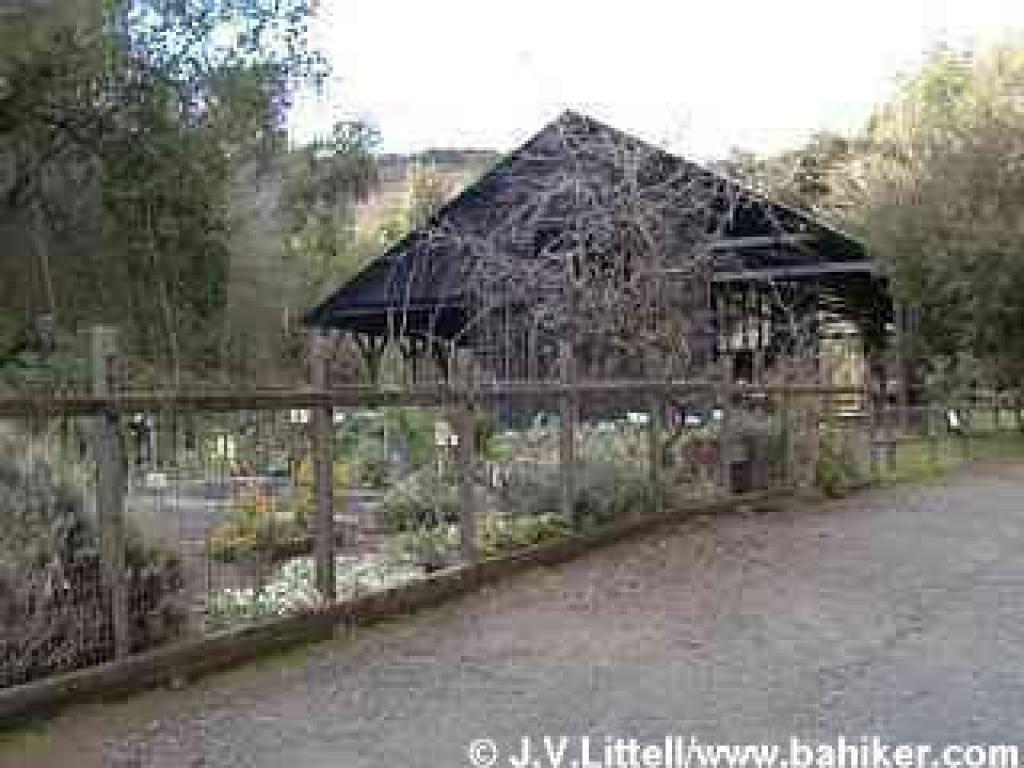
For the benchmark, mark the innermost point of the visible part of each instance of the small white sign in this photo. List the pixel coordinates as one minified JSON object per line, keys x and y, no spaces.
{"x":442,"y":433}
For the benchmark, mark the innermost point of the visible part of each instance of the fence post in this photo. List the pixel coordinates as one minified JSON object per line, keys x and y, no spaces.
{"x":873,"y":429}
{"x":464,"y":429}
{"x":567,"y":434}
{"x":323,"y":462}
{"x":110,"y":487}
{"x":787,"y":436}
{"x":965,"y":432}
{"x":725,"y":438}
{"x":655,"y":452}
{"x":934,"y":423}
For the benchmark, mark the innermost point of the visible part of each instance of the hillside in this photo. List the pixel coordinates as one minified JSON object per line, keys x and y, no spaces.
{"x":457,"y":167}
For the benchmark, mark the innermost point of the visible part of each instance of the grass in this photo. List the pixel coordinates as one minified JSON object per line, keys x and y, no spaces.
{"x":25,"y":735}
{"x":926,"y":460}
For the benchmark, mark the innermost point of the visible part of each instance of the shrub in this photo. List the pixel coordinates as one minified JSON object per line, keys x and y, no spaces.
{"x":609,"y":490}
{"x":54,"y":608}
{"x":605,"y":490}
{"x":438,"y":547}
{"x":292,"y":589}
{"x":498,"y":533}
{"x":257,"y":527}
{"x":423,"y":499}
{"x":836,"y":472}
{"x":432,"y":548}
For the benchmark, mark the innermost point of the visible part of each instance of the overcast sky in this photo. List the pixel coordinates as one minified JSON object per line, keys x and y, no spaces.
{"x":699,"y":76}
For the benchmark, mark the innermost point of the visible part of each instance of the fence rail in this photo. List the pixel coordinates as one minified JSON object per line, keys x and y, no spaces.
{"x":442,"y":474}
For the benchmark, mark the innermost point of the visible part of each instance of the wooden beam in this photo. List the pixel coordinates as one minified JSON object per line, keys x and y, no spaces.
{"x":797,"y":270}
{"x":762,"y":241}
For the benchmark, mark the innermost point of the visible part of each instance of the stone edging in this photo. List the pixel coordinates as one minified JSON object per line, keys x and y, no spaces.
{"x":192,"y":658}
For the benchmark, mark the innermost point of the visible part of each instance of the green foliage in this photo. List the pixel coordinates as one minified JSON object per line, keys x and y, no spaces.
{"x":54,"y":610}
{"x":497,"y":534}
{"x":938,"y":197}
{"x":424,"y":499}
{"x":431,"y":546}
{"x":608,"y":491}
{"x":805,"y":177}
{"x":605,"y":490}
{"x":122,"y":126}
{"x":323,"y":182}
{"x":292,"y":589}
{"x":412,"y":431}
{"x":836,"y":472}
{"x":256,"y":530}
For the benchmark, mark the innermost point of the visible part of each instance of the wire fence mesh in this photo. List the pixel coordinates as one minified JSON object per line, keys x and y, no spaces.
{"x":233,"y":508}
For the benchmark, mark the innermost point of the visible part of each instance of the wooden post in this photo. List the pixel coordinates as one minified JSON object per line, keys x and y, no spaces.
{"x":655,"y":453}
{"x":464,"y":429}
{"x":725,"y":436}
{"x":965,"y":432}
{"x":323,"y":462}
{"x":110,"y":487}
{"x":787,"y":437}
{"x":934,"y":422}
{"x":873,"y":429}
{"x":567,"y":434}
{"x":902,"y":385}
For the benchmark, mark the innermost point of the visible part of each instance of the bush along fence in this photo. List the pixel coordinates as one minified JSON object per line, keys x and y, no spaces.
{"x":137,"y":521}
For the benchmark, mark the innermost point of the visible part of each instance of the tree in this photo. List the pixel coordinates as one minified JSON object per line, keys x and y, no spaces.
{"x":937,"y":192}
{"x":323,"y":182}
{"x":121,"y":129}
{"x":804,"y":177}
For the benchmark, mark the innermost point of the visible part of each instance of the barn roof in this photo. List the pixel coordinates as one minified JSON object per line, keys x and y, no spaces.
{"x":420,"y":280}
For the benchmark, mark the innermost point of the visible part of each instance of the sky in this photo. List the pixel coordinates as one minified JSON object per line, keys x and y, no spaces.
{"x":698,"y":77}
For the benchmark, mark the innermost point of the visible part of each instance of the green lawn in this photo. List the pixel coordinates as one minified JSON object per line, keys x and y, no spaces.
{"x":926,"y":459}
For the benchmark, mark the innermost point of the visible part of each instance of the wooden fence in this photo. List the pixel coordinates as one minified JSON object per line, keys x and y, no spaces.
{"x":108,"y":404}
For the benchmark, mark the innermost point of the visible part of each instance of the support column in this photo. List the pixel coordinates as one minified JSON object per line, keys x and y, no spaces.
{"x":323,"y":466}
{"x":464,"y":426}
{"x":567,"y":433}
{"x":725,"y":436}
{"x":110,"y":487}
{"x":656,"y":455}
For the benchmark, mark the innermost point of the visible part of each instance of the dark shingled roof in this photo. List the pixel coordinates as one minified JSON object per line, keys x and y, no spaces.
{"x":417,"y":285}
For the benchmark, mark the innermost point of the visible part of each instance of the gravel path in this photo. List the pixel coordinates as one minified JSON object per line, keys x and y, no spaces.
{"x":897,"y":613}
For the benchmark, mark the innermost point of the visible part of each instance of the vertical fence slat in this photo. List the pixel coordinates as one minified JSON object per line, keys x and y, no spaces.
{"x":726,"y":446}
{"x":655,"y":451}
{"x":110,"y":487}
{"x":323,"y":459}
{"x":567,"y":434}
{"x":464,"y":425}
{"x":874,"y":430}
{"x":934,"y":417}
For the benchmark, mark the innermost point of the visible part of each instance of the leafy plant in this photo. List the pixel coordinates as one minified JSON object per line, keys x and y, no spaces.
{"x":605,"y":490}
{"x":836,"y":472}
{"x":292,"y":589}
{"x":497,"y":534}
{"x":432,"y":547}
{"x":423,"y":499}
{"x":256,"y":529}
{"x":54,"y":606}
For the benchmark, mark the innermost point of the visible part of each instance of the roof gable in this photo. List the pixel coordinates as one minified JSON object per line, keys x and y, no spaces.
{"x":525,"y":194}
